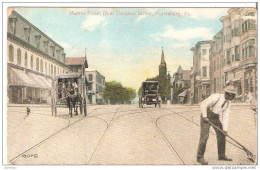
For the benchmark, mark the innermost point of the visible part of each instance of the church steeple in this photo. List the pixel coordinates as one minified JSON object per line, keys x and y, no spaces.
{"x":162,"y":66}
{"x":162,"y":57}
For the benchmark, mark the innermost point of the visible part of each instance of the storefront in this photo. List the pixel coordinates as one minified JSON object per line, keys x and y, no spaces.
{"x":27,"y":87}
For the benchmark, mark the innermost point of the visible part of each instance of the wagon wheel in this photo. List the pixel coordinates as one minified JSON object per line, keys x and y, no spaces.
{"x":81,"y":106}
{"x":85,"y":107}
{"x":155,"y":104}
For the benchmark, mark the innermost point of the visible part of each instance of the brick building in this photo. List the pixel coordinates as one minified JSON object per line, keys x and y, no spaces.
{"x":233,"y":53}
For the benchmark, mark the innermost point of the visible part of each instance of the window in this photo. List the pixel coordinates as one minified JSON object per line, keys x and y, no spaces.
{"x":37,"y":64}
{"x":90,"y":77}
{"x":37,"y":40}
{"x":54,"y":70}
{"x":45,"y":67}
{"x":236,"y":30}
{"x":251,"y":48}
{"x":25,"y":59}
{"x":237,"y":53}
{"x":12,"y":25}
{"x":90,"y":86}
{"x":228,"y":56}
{"x":41,"y":66}
{"x":11,"y":53}
{"x":248,"y":49}
{"x":204,"y":70}
{"x":27,"y":32}
{"x":51,"y":70}
{"x":46,"y":46}
{"x":204,"y":51}
{"x":52,"y":50}
{"x":228,"y":34}
{"x":31,"y":61}
{"x":19,"y":58}
{"x":249,"y":24}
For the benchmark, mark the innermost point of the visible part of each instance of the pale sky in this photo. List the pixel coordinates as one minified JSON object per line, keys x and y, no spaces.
{"x":126,"y":45}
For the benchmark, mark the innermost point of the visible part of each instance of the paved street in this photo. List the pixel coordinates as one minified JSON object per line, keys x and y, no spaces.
{"x":121,"y":134}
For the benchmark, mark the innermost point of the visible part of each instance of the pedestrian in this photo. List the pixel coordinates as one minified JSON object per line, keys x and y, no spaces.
{"x":211,"y":108}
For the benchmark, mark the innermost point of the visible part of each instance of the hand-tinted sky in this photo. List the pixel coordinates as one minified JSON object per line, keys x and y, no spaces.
{"x":126,"y":46}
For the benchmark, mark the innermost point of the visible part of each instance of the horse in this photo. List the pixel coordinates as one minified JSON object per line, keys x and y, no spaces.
{"x":73,"y":99}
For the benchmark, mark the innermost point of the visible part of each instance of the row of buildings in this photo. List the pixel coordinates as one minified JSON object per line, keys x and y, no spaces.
{"x":229,"y":58}
{"x":34,"y":59}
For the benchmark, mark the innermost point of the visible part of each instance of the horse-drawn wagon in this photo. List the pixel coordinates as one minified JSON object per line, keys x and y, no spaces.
{"x":150,"y":94}
{"x":69,"y":89}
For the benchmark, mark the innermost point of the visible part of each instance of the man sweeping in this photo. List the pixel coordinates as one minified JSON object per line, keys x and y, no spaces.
{"x":211,"y":108}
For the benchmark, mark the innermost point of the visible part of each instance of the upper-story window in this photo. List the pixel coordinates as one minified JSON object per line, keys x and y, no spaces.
{"x":251,"y":48}
{"x":41,"y":66}
{"x":90,"y":77}
{"x":237,"y":53}
{"x":37,"y":64}
{"x":25,"y":59}
{"x":38,"y":40}
{"x":46,"y":43}
{"x":52,"y":50}
{"x":248,"y":49}
{"x":11,"y":53}
{"x":31,"y":61}
{"x":54,"y":70}
{"x":27,"y":32}
{"x":46,"y":67}
{"x":12,"y":24}
{"x":228,"y":34}
{"x":204,"y":71}
{"x":228,"y":57}
{"x":236,"y":28}
{"x":19,"y":57}
{"x":249,"y":22}
{"x":204,"y":51}
{"x":58,"y":53}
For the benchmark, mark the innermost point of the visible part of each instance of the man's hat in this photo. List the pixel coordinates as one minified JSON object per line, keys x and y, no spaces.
{"x":230,"y":89}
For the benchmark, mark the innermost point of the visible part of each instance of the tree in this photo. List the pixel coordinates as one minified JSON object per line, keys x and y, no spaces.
{"x":116,"y":93}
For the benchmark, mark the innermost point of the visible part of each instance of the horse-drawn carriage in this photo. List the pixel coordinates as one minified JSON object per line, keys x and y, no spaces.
{"x":150,"y":94}
{"x":70,"y":90}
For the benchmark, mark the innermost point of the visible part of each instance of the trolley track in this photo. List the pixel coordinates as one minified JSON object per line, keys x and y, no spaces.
{"x":192,"y":121}
{"x":53,"y":134}
{"x":102,"y":137}
{"x":166,"y":140}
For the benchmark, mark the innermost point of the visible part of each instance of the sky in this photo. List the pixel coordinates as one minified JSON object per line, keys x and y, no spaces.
{"x":125,"y":44}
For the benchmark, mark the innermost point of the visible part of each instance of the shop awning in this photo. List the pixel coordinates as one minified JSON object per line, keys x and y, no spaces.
{"x":20,"y":78}
{"x":68,"y":75}
{"x":41,"y":81}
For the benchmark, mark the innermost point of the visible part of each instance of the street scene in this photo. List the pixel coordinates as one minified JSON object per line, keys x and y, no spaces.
{"x":122,"y":134}
{"x":131,"y":86}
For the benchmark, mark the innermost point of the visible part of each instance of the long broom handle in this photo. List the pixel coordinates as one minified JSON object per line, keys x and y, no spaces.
{"x":228,"y":136}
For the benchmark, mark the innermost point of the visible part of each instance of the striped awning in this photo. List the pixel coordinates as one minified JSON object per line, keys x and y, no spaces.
{"x":41,"y":81}
{"x":19,"y":77}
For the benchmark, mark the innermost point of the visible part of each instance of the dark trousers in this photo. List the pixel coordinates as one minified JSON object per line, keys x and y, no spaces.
{"x":204,"y":135}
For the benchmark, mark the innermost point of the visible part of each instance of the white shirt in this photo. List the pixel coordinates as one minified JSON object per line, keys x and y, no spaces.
{"x":217,"y":100}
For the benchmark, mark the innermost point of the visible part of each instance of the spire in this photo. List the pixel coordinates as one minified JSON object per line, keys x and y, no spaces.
{"x":162,"y":57}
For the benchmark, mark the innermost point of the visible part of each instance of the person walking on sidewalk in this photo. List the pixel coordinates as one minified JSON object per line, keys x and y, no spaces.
{"x":211,"y":108}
